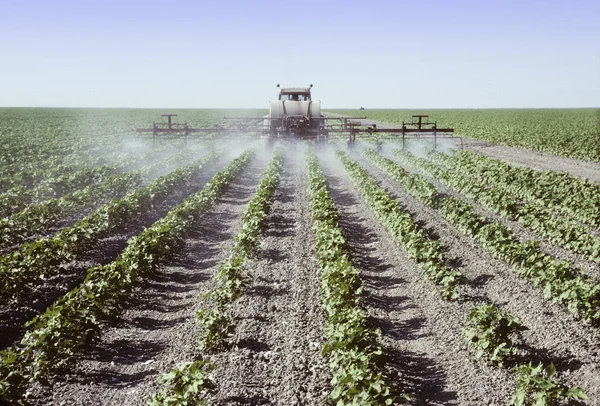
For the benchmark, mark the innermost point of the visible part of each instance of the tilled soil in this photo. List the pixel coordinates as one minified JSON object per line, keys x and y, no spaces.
{"x":157,"y":332}
{"x":13,"y":315}
{"x":553,"y":335}
{"x":421,"y":332}
{"x":276,"y":357}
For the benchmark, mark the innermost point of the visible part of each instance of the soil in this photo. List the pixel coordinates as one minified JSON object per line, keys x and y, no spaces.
{"x":553,"y":335}
{"x":14,"y":314}
{"x":274,"y":356}
{"x":157,"y":331}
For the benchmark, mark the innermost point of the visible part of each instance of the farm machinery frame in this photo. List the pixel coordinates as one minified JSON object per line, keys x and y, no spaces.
{"x":296,"y":116}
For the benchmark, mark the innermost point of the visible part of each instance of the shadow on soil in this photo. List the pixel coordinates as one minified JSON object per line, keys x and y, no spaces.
{"x":253,"y":344}
{"x":562,"y":362}
{"x":126,"y":351}
{"x":117,"y":379}
{"x":279,"y":226}
{"x":275,"y":254}
{"x":418,"y":375}
{"x":267,"y":291}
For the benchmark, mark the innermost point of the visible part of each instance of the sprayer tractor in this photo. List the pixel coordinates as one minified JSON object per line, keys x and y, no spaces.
{"x":296,"y":116}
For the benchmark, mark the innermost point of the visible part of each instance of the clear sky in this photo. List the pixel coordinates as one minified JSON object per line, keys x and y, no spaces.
{"x":232,"y":53}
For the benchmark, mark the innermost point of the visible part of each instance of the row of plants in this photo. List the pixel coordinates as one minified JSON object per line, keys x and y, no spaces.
{"x":566,"y":132}
{"x":53,"y":177}
{"x":75,"y":321}
{"x":41,"y":258}
{"x":494,"y":335}
{"x":33,"y":187}
{"x":29,"y":171}
{"x":189,"y":383}
{"x":36,"y":219}
{"x":561,"y":230}
{"x":18,"y":197}
{"x":576,"y":197}
{"x":33,"y":138}
{"x":560,"y":282}
{"x":490,"y":331}
{"x":427,"y":253}
{"x":352,"y":346}
{"x":217,"y":323}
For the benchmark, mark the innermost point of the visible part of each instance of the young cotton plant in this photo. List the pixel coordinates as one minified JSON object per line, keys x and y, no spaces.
{"x":489,"y":332}
{"x":187,"y":385}
{"x":536,"y":386}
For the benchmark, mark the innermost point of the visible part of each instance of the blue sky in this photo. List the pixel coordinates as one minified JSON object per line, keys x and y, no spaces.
{"x":376,"y":54}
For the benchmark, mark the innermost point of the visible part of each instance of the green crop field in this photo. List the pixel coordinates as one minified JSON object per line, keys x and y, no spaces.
{"x":567,"y":132}
{"x":297,"y":272}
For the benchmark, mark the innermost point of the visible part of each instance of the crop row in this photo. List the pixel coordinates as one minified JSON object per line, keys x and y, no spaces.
{"x":566,"y":132}
{"x":489,"y":330}
{"x":41,"y":258}
{"x":427,"y":253}
{"x":62,"y":180}
{"x":18,"y":197}
{"x":576,"y":197}
{"x":39,"y":179}
{"x":75,"y":321}
{"x":217,"y":323}
{"x":38,"y":218}
{"x":561,"y":230}
{"x":353,"y":347}
{"x":31,"y":169}
{"x":189,"y":383}
{"x":560,"y":282}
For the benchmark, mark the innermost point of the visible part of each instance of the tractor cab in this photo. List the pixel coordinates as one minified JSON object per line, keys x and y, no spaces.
{"x":294,"y":93}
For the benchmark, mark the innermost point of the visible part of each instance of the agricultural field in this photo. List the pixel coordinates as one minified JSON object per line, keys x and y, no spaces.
{"x":566,"y":132}
{"x":221,"y":272}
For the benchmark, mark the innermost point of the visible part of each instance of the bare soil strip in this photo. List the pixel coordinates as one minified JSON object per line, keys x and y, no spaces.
{"x":533,"y":159}
{"x":276,"y":357}
{"x":157,"y":332}
{"x":553,"y":335}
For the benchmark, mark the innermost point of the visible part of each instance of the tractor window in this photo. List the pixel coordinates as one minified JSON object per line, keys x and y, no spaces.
{"x":294,"y":97}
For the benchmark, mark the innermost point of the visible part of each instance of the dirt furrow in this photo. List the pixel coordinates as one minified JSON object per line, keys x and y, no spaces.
{"x":553,"y":335}
{"x":276,"y":357}
{"x":157,"y":332}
